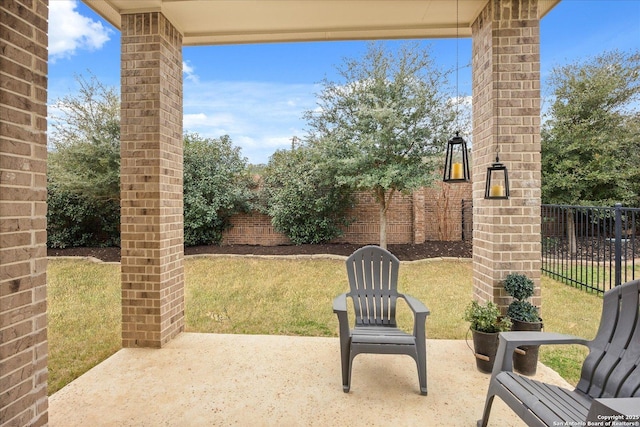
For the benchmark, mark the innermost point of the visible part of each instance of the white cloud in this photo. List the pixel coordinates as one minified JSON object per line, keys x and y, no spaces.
{"x":260,"y":117}
{"x":189,"y":72}
{"x":69,"y":31}
{"x":279,"y":142}
{"x":194,"y":119}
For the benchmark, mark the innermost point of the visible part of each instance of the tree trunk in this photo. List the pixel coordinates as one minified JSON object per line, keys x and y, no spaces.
{"x":383,"y":227}
{"x":384,"y":200}
{"x":571,"y":232}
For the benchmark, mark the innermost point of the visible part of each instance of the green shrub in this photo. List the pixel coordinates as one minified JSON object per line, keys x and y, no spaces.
{"x":486,"y":318}
{"x":523,"y":311}
{"x":303,"y":199}
{"x":74,"y":220}
{"x":216,"y":186}
{"x":520,"y":287}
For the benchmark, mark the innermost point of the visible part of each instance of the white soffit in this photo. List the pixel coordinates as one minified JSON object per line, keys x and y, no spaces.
{"x":207,"y":22}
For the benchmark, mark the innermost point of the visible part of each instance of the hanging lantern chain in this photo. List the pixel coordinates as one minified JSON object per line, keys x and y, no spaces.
{"x":456,"y":164}
{"x":457,"y":69}
{"x":497,"y":183}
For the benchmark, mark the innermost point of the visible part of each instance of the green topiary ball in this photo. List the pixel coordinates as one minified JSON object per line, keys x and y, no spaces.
{"x":518,"y":286}
{"x":523,"y":311}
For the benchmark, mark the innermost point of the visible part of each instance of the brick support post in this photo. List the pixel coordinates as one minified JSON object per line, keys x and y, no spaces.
{"x":506,"y":113}
{"x":151,"y":181}
{"x":23,"y":210}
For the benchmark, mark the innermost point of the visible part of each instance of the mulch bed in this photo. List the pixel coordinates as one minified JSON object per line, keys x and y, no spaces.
{"x":408,"y":252}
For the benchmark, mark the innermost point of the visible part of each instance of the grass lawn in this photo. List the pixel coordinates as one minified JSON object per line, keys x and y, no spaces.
{"x":285,"y":297}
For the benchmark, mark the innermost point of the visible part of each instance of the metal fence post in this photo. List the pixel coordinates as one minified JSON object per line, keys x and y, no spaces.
{"x":618,"y":244}
{"x":462,"y":219}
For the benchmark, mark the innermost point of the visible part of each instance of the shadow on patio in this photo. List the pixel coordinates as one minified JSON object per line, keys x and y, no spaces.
{"x":208,"y":379}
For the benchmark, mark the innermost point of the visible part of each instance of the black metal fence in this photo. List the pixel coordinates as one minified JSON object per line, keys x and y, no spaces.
{"x":593,"y":248}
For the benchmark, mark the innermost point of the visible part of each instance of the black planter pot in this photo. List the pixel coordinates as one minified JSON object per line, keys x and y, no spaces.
{"x":527,"y":363}
{"x":485,"y":346}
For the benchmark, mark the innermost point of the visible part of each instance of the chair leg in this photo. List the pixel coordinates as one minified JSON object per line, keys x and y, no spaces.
{"x":487,"y":410}
{"x":346,"y":376}
{"x":421,"y":361}
{"x":346,"y":367}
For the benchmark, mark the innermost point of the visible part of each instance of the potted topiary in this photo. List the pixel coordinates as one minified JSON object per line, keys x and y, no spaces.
{"x":486,"y":323}
{"x":524,"y":317}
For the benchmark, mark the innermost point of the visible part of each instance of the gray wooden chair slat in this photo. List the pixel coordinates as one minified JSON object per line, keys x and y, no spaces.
{"x":611,"y":370}
{"x":373,"y":280}
{"x":393,"y":281}
{"x":547,"y":402}
{"x":597,"y":347}
{"x":623,"y":318}
{"x":355,"y":277}
{"x":624,"y":380}
{"x":368,"y":287}
{"x":383,"y":268}
{"x":626,"y":366}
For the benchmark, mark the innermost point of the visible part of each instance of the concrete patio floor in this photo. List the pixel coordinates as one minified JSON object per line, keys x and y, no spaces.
{"x":248,"y":380}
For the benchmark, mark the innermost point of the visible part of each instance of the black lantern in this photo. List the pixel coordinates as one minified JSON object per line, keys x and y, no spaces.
{"x":456,"y":163}
{"x":497,"y":185}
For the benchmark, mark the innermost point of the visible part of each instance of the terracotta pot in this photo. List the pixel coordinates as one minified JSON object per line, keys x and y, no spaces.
{"x":527,"y":363}
{"x":485,"y":346}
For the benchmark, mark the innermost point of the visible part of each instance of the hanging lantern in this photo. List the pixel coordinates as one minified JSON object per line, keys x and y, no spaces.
{"x":497,"y":185}
{"x":456,"y":162}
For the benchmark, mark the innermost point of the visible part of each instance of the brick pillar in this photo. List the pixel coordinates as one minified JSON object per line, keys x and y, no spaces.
{"x":23,"y":210}
{"x":418,"y":216}
{"x":151,"y":181}
{"x":506,"y":110}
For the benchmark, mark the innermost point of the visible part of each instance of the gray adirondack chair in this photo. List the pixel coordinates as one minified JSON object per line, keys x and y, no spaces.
{"x":373,"y":280}
{"x":610,"y":371}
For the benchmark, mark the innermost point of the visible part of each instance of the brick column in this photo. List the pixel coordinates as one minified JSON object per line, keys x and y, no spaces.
{"x":23,"y":210}
{"x":506,"y":110}
{"x":151,"y":181}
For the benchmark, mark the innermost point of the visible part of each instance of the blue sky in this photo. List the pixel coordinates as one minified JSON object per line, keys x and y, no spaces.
{"x":257,"y":93}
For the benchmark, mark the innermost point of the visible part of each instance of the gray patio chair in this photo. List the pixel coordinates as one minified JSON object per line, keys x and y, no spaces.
{"x":610,"y":379}
{"x":373,"y":280}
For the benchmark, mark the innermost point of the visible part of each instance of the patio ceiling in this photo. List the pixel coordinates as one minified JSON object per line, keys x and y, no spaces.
{"x":208,"y":22}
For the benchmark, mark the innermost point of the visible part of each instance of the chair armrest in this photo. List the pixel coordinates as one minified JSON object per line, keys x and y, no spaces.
{"x":340,"y":303}
{"x":509,"y":341}
{"x":420,"y":313}
{"x":340,"y":309}
{"x":415,"y":305}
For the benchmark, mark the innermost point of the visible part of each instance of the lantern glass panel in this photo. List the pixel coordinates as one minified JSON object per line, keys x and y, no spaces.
{"x":456,"y":166}
{"x":497,"y":185}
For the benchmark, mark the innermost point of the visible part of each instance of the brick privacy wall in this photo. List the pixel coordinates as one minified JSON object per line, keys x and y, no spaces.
{"x":427,"y":214}
{"x":253,"y":229}
{"x":23,"y":192}
{"x":365,"y":228}
{"x":151,"y":181}
{"x":443,"y":211}
{"x":506,"y":107}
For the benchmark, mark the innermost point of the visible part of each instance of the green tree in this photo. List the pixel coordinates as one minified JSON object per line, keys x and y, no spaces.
{"x":591,"y":136}
{"x":303,"y":198}
{"x":86,"y":141}
{"x":383,"y":126}
{"x":216,"y":186}
{"x":84,"y":167}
